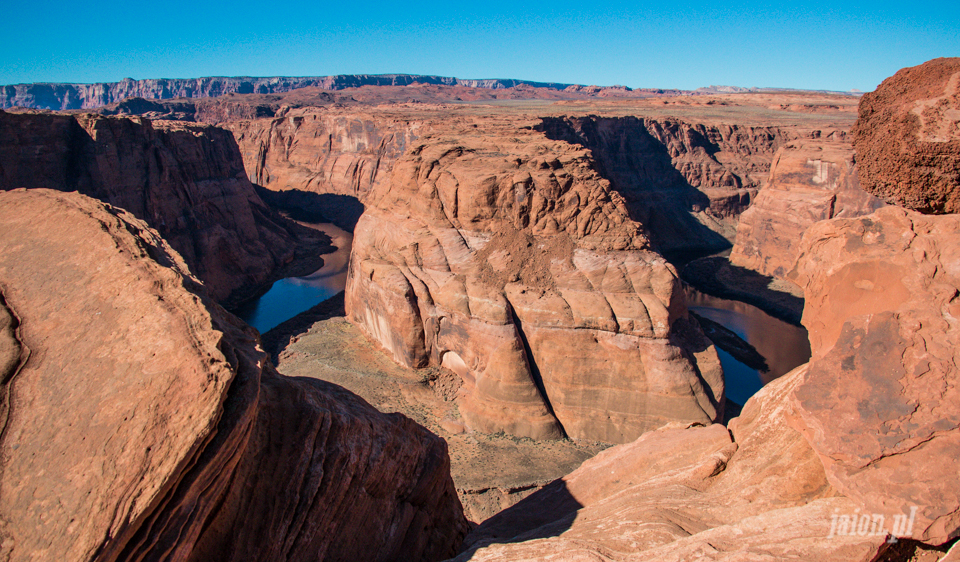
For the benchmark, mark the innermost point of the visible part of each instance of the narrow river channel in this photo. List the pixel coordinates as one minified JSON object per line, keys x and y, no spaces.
{"x":293,"y":295}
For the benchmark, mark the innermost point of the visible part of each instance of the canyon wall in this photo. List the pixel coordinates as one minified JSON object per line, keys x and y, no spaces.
{"x":505,"y":257}
{"x":185,"y":180}
{"x":844,"y":458}
{"x":687,"y":183}
{"x":849,"y":457}
{"x":320,"y":151}
{"x":811,"y":179}
{"x":142,"y":421}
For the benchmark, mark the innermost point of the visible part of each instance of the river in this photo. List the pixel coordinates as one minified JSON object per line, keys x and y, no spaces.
{"x":784,"y":345}
{"x":293,"y":295}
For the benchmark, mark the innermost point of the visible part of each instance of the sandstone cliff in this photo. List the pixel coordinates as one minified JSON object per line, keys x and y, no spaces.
{"x":141,"y":421}
{"x":319,"y":151}
{"x":811,"y":179}
{"x":185,"y":180}
{"x":826,"y":463}
{"x":505,"y":257}
{"x":907,"y":138}
{"x":685,"y":182}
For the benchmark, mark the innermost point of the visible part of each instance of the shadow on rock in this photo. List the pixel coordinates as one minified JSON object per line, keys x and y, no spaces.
{"x":640,"y":168}
{"x":305,"y":206}
{"x":549,"y":512}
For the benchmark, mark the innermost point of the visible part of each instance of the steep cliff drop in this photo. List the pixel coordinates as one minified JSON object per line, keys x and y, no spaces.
{"x":504,"y":257}
{"x":185,"y":180}
{"x":811,"y":180}
{"x":141,"y":421}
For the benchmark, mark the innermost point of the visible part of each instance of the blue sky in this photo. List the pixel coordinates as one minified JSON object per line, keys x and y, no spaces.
{"x":836,"y":46}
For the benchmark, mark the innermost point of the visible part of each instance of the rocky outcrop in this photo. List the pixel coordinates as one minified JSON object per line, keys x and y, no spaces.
{"x":755,"y":492}
{"x":141,"y":421}
{"x":506,"y":258}
{"x":883,"y":310}
{"x":907,"y":138}
{"x":811,"y":180}
{"x":685,"y":182}
{"x":185,"y":180}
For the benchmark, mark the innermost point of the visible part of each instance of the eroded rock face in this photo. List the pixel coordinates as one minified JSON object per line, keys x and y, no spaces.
{"x":811,"y":180}
{"x":756,"y":492}
{"x":907,"y":138}
{"x":185,"y":180}
{"x":320,"y":151}
{"x":882,"y":307}
{"x":144,"y":422}
{"x":503,"y":256}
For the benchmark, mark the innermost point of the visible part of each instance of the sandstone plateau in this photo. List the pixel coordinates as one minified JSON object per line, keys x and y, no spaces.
{"x":141,"y":421}
{"x":185,"y":180}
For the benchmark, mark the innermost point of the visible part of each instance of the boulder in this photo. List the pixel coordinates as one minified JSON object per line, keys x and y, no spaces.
{"x":907,"y":138}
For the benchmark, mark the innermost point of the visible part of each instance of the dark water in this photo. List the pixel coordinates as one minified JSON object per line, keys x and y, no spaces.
{"x":784,"y":345}
{"x":293,"y":295}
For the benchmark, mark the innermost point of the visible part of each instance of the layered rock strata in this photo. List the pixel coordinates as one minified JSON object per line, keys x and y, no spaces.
{"x":811,"y":180}
{"x":141,"y":421}
{"x":838,"y":460}
{"x":185,"y":180}
{"x":907,"y":138}
{"x":503,"y":256}
{"x":87,"y":96}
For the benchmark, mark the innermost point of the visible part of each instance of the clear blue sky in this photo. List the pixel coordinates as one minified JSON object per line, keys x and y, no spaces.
{"x":836,"y":46}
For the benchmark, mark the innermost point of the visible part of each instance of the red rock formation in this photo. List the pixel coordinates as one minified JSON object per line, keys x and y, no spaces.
{"x":185,"y":180}
{"x":883,"y":309}
{"x":907,"y":138}
{"x":505,"y":257}
{"x":141,"y":421}
{"x":319,"y":151}
{"x":755,"y":492}
{"x":811,"y":180}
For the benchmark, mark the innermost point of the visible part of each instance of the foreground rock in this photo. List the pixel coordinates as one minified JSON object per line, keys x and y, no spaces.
{"x":908,"y":138}
{"x":185,"y":180}
{"x":503,"y":256}
{"x":143,"y":422}
{"x":755,"y":492}
{"x":883,"y":310}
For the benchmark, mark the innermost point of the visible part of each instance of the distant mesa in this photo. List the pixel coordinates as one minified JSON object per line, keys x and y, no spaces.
{"x":88,"y":96}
